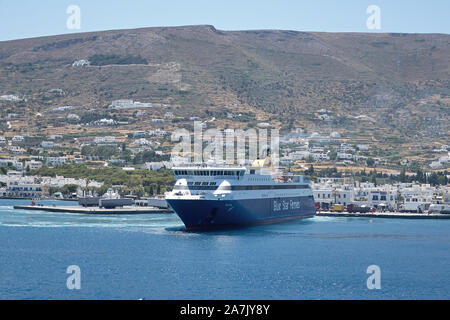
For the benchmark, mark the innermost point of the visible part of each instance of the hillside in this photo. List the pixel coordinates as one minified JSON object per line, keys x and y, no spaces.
{"x":384,"y":88}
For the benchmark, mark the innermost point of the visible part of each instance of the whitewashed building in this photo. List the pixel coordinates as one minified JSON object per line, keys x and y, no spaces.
{"x":55,"y":161}
{"x":157,"y":165}
{"x":33,"y":164}
{"x":47,"y":144}
{"x":106,"y":139}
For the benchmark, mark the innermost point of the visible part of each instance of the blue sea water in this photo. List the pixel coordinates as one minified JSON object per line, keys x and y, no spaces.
{"x":150,"y":257}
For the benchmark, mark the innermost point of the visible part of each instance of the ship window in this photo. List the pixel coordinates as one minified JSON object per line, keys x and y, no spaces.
{"x":252,"y":171}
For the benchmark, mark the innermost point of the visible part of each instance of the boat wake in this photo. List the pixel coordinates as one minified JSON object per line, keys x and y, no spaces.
{"x":10,"y":217}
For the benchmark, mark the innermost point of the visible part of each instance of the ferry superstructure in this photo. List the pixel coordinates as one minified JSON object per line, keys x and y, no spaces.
{"x":208,"y":197}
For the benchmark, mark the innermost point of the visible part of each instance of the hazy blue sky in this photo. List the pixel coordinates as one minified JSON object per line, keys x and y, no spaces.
{"x":32,"y":18}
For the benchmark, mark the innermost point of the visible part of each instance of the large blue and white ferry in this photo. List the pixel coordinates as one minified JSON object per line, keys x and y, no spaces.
{"x":208,"y":197}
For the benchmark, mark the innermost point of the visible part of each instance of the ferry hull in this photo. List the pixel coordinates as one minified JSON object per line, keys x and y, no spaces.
{"x":214,"y":214}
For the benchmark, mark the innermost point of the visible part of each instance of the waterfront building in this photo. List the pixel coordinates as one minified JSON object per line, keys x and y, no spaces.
{"x":21,"y":189}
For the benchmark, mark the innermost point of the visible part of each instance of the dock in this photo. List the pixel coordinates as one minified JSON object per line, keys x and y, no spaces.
{"x":394,"y":215}
{"x":96,"y":210}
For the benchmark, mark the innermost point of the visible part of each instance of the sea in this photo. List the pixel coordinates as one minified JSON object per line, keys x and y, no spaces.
{"x":46,"y":255}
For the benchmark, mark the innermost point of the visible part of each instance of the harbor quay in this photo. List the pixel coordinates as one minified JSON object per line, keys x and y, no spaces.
{"x":96,"y":210}
{"x":393,"y":215}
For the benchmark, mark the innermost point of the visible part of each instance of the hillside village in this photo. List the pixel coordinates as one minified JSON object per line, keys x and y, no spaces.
{"x":358,"y":115}
{"x":344,"y":171}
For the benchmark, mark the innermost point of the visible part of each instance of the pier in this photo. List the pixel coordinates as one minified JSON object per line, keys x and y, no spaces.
{"x":392,"y":215}
{"x":96,"y":210}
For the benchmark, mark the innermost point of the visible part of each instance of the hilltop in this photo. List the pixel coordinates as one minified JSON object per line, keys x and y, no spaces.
{"x":388,"y":89}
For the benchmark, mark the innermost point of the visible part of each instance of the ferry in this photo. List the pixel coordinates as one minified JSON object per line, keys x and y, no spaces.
{"x":211,"y":197}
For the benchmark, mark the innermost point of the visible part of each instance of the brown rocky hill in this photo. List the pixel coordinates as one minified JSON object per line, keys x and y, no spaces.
{"x":387,"y":86}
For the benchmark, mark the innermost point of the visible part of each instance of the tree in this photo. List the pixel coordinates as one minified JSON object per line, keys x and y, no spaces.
{"x":158,"y":189}
{"x":69,"y":188}
{"x":333,"y":155}
{"x":402,"y":176}
{"x":370,"y":162}
{"x":374,"y":180}
{"x":309,"y":159}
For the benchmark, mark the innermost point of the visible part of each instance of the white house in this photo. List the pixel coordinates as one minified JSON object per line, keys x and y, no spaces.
{"x":11,"y":162}
{"x":55,"y":161}
{"x":16,"y":150}
{"x":80,"y":63}
{"x":17,"y":139}
{"x":139,"y":134}
{"x":106,"y":139}
{"x":157,"y":165}
{"x":73,"y":116}
{"x":47,"y":144}
{"x":157,"y":132}
{"x":10,"y":97}
{"x":33,"y":164}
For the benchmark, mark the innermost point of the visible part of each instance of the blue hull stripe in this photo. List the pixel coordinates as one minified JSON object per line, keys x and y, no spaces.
{"x":206,"y":214}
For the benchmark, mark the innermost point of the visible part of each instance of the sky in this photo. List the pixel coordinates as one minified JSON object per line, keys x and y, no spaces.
{"x":30,"y":18}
